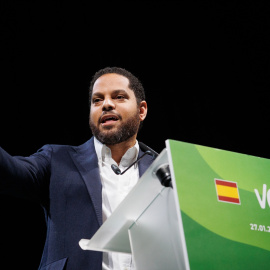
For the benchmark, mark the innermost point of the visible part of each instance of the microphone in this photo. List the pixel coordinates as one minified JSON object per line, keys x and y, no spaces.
{"x":148,"y":151}
{"x":163,"y":173}
{"x":118,"y":171}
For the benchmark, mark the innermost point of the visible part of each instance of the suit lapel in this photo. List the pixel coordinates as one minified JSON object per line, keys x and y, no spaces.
{"x":85,"y":159}
{"x":144,"y":163}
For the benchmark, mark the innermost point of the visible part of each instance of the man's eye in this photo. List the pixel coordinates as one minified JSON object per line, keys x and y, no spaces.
{"x":120,"y":97}
{"x":96,"y":100}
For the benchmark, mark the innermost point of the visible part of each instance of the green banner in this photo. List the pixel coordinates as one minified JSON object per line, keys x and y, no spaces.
{"x":224,"y":198}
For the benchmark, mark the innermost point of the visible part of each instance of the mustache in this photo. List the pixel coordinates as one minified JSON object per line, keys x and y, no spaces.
{"x":110,"y":113}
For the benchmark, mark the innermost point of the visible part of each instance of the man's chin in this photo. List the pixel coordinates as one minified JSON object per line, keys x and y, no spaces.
{"x":107,"y":128}
{"x":107,"y":133}
{"x":109,"y":138}
{"x":116,"y":133}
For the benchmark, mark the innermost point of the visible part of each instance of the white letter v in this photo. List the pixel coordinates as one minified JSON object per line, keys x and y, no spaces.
{"x":262,"y":200}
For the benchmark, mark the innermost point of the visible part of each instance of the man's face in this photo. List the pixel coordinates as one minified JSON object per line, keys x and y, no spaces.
{"x":115,"y":115}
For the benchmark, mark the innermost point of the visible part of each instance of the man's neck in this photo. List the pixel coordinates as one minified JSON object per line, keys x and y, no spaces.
{"x":118,"y":150}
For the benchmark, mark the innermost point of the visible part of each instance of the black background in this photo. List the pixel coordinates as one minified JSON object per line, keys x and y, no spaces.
{"x":204,"y":66}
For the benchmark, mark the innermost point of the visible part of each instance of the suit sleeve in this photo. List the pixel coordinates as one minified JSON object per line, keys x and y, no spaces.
{"x":25,"y":177}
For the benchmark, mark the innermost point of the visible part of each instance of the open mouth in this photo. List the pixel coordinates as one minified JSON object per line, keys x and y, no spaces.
{"x":108,"y":119}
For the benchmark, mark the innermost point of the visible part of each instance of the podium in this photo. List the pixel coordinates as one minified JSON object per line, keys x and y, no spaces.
{"x":216,"y":216}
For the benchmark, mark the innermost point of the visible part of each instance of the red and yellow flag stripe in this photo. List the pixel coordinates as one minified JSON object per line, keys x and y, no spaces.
{"x":227,"y":191}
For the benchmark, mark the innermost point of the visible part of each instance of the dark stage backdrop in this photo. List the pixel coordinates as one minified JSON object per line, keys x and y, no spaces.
{"x":204,"y":65}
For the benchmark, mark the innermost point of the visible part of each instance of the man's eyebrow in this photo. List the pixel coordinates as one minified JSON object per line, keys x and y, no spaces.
{"x":116,"y":91}
{"x":97,"y":94}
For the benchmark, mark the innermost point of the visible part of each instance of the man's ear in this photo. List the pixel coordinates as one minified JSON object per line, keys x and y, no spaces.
{"x":143,"y":110}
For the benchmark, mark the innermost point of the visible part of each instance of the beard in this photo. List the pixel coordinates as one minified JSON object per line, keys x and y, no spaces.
{"x":121,"y":134}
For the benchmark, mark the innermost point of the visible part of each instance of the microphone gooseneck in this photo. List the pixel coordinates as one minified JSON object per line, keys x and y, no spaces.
{"x":118,"y":171}
{"x":144,"y":147}
{"x":163,"y":173}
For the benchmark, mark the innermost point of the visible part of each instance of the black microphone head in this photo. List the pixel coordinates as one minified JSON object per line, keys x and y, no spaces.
{"x":115,"y":169}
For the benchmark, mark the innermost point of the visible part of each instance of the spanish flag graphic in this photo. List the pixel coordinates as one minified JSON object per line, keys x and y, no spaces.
{"x":227,"y":191}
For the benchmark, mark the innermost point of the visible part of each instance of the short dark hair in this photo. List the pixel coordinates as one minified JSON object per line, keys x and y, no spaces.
{"x":134,"y":83}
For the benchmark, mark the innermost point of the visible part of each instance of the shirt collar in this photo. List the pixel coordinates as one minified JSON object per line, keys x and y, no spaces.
{"x":104,"y":152}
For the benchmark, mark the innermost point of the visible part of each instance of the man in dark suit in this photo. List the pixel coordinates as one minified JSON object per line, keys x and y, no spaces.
{"x":75,"y":184}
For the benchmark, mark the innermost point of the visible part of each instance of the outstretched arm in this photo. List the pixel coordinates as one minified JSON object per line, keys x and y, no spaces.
{"x":25,"y":177}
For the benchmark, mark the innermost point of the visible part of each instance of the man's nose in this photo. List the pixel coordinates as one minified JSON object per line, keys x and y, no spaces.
{"x":108,"y":104}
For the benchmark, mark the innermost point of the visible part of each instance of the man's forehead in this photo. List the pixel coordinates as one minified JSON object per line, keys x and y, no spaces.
{"x":111,"y":79}
{"x":111,"y":82}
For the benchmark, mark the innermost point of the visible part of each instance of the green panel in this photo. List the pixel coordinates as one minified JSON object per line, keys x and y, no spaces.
{"x":195,"y":168}
{"x":210,"y":251}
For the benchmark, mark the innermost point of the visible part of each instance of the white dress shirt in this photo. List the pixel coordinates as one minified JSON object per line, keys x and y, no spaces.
{"x":114,"y":190}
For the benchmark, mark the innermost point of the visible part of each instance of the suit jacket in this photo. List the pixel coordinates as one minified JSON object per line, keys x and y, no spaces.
{"x":65,"y":180}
